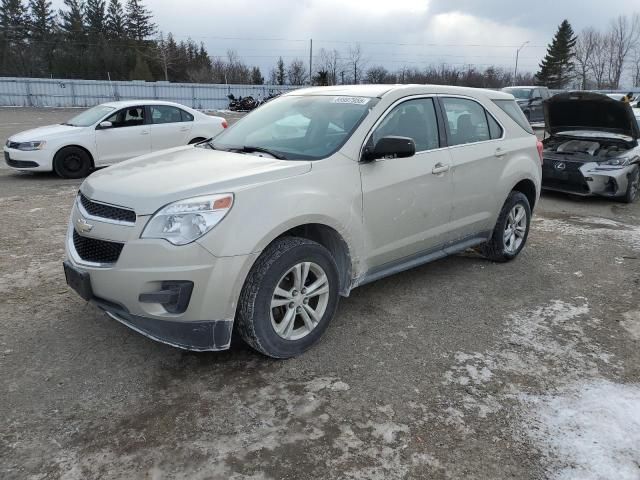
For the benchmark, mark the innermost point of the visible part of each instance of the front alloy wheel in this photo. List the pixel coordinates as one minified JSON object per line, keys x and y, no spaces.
{"x":289,"y":297}
{"x":299,"y":301}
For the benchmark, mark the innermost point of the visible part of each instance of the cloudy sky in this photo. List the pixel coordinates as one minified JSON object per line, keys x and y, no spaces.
{"x":391,"y":32}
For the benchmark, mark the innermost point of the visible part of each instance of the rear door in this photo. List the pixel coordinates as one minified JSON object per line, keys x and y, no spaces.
{"x":128,"y":136}
{"x":477,"y":159}
{"x":407,"y":201}
{"x":168,"y":128}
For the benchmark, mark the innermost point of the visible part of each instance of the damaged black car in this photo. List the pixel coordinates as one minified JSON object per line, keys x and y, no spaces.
{"x":592,"y":147}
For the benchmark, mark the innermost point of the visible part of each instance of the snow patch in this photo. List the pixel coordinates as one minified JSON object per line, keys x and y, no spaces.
{"x":591,"y":431}
{"x":631,"y":323}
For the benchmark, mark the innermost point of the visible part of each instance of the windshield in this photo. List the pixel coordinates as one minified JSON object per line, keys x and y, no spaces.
{"x":520,"y":93}
{"x":298,"y":127}
{"x":89,"y":117}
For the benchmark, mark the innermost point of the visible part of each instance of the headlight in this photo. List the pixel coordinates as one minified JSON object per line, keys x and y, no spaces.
{"x":614,"y":162}
{"x":187,"y":220}
{"x":29,"y":146}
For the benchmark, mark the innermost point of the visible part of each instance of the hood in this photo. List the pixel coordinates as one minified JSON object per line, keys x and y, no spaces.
{"x":589,"y":111}
{"x":151,"y":181}
{"x":44,"y":133}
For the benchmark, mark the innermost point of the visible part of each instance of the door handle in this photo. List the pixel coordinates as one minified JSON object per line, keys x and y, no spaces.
{"x":144,"y":132}
{"x":500,"y":152}
{"x":440,"y":168}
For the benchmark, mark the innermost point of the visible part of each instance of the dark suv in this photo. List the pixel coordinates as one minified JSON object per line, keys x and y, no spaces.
{"x":530,"y":101}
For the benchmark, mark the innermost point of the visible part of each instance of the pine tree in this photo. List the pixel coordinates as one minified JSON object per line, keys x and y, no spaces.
{"x":14,"y":20}
{"x":95,"y":17}
{"x":556,"y":69}
{"x":280,"y":73}
{"x":256,"y":76}
{"x":139,"y":24}
{"x":72,"y":20}
{"x":115,"y":21}
{"x":43,"y":19}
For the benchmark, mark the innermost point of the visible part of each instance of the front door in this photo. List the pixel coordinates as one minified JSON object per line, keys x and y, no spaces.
{"x":407,"y":201}
{"x":127,"y":137}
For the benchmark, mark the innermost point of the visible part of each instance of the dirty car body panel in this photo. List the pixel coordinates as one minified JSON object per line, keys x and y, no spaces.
{"x":187,"y":295}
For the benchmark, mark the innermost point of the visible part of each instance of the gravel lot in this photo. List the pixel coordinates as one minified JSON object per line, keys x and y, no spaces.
{"x":458,"y":369}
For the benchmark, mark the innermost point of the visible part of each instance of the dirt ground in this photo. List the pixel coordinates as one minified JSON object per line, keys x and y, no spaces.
{"x":458,"y":369}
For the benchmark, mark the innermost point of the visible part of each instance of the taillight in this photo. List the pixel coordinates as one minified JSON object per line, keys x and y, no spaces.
{"x":224,"y":124}
{"x":540,"y":150}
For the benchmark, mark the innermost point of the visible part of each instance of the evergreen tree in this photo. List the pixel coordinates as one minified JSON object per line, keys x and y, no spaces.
{"x":141,"y":70}
{"x":556,"y":69}
{"x":115,"y":21}
{"x":256,"y":76}
{"x":95,"y":17}
{"x":14,"y":20}
{"x":43,"y":19}
{"x":280,"y":73}
{"x":139,"y":24}
{"x":72,"y":20}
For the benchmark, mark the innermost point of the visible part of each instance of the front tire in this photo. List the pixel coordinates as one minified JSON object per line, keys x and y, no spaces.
{"x":511,"y":231}
{"x":72,"y":162}
{"x":289,"y":298}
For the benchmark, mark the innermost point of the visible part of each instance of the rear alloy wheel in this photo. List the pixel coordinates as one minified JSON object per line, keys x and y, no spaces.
{"x":632,"y":185}
{"x":511,"y":230}
{"x":289,"y":297}
{"x":72,"y":162}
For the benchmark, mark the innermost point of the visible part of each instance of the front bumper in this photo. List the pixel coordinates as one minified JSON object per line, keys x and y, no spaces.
{"x":144,"y":266}
{"x":584,"y":179}
{"x":32,"y":161}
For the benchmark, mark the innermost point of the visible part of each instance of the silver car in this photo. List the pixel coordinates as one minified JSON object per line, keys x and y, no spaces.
{"x":307,"y":197}
{"x":593,"y":146}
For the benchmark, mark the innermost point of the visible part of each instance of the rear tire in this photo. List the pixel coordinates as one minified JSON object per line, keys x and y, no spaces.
{"x":511,"y":231}
{"x":72,"y":162}
{"x":289,"y":298}
{"x":632,"y":186}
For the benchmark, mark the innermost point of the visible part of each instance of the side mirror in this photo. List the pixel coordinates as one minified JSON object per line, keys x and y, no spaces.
{"x":105,"y":124}
{"x":391,"y":146}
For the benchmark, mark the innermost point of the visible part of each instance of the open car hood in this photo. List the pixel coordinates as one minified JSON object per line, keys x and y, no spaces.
{"x":589,"y":111}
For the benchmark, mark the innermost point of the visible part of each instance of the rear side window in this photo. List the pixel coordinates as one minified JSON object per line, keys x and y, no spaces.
{"x":467,"y":121}
{"x":165,"y":114}
{"x":511,"y":108}
{"x":186,"y":116}
{"x":495,"y":130}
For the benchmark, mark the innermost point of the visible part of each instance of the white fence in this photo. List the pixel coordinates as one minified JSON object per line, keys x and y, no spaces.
{"x":47,"y":92}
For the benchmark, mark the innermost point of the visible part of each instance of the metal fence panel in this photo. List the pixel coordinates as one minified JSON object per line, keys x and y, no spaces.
{"x":49,"y":92}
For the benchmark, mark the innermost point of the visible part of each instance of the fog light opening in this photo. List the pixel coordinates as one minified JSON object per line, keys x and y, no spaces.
{"x":174,"y":295}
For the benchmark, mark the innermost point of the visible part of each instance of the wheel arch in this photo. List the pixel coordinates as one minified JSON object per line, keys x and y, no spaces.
{"x":528,"y":189}
{"x":73,"y":145}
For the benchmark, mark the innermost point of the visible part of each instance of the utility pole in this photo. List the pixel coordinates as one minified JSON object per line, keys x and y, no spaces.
{"x":515,"y":73}
{"x":310,"y":61}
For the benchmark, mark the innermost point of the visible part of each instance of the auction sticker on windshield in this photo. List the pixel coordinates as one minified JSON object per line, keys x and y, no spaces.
{"x":352,"y":100}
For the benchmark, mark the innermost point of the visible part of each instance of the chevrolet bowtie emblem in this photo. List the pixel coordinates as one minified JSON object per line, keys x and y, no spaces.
{"x":83,"y":226}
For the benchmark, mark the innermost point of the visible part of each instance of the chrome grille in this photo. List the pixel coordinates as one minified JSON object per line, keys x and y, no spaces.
{"x":102,"y":210}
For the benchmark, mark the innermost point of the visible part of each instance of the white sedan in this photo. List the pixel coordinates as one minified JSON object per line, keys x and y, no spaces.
{"x":107,"y":134}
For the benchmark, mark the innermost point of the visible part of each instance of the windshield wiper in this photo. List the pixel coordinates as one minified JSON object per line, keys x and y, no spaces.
{"x":250,"y":149}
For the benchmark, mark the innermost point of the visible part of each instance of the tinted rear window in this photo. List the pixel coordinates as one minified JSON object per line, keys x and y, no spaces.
{"x":511,"y":108}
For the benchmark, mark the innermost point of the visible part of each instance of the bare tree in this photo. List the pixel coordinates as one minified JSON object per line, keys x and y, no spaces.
{"x":584,"y":52}
{"x":599,"y":62}
{"x":356,"y":62}
{"x":624,"y":34}
{"x":329,"y":61}
{"x":635,"y":67}
{"x":297,"y":72}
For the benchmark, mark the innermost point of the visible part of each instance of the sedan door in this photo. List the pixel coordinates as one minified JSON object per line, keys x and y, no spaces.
{"x":168,"y":129}
{"x":127,"y":137}
{"x":478,"y":156}
{"x":407,"y":201}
